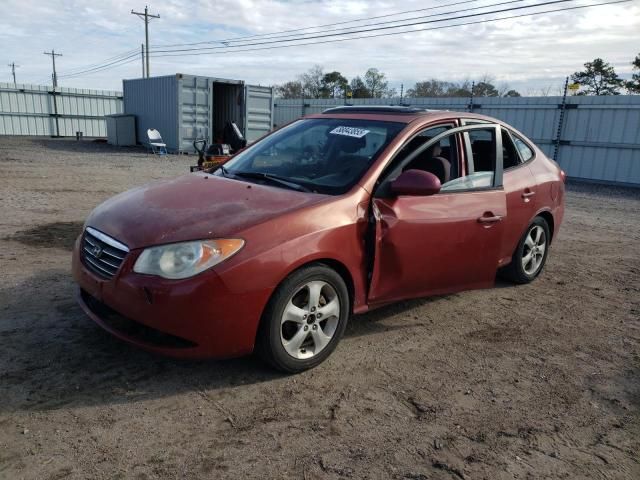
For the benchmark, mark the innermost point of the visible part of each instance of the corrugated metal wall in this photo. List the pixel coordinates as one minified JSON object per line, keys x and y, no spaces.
{"x":194,"y":107}
{"x":259,"y":118}
{"x":30,"y":110}
{"x":154,"y":102}
{"x":600,"y":138}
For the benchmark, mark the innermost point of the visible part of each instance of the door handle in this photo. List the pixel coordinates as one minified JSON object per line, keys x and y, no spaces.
{"x":528,"y":194}
{"x":489,"y":218}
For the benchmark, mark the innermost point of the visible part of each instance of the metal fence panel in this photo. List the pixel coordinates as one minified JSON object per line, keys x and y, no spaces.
{"x":33,"y":110}
{"x":599,"y":139}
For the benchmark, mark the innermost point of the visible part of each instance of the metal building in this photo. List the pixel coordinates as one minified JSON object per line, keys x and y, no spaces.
{"x":184,"y":108}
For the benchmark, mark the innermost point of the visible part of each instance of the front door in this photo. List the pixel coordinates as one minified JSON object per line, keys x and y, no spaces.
{"x":450,"y":241}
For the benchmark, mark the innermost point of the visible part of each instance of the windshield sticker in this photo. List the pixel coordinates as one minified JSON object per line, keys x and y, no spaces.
{"x":350,"y":132}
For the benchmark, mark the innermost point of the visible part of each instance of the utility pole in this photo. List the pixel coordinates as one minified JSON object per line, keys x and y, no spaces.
{"x":53,"y":59}
{"x":13,"y":71}
{"x":146,"y":16}
{"x":142,"y":53}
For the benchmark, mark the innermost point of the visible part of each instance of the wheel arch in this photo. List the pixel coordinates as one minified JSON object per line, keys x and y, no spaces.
{"x":339,"y":267}
{"x":548,"y":217}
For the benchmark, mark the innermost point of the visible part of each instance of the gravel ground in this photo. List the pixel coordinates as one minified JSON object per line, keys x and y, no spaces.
{"x":536,"y":381}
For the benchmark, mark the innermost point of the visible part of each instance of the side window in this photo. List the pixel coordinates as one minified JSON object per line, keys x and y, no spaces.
{"x":480,"y":165}
{"x":525,"y":152}
{"x":510,"y":157}
{"x":420,"y":139}
{"x":441,"y":158}
{"x":447,"y":150}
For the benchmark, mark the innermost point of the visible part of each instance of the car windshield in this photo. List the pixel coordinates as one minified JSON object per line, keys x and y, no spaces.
{"x":318,"y":155}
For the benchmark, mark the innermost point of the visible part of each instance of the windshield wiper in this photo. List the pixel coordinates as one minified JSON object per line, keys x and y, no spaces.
{"x":224,"y":170}
{"x":271,"y":178}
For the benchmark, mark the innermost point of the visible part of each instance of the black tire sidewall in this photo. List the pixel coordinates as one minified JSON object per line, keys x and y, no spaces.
{"x":271,"y":348}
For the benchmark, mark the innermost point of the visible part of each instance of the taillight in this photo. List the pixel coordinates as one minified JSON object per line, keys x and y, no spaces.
{"x":563,"y":176}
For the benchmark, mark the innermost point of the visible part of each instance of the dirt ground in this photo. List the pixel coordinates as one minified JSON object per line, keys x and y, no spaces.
{"x":528,"y":382}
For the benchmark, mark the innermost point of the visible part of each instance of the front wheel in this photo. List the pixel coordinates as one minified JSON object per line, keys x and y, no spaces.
{"x":304,"y":319}
{"x":531,"y":253}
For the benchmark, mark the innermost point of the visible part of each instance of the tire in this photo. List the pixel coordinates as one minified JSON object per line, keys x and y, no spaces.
{"x":520,"y":270}
{"x":298,"y":332}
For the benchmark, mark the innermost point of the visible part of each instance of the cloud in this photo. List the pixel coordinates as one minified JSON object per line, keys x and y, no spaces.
{"x":526,"y":52}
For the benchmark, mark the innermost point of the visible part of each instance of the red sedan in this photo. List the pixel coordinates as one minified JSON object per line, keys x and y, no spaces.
{"x":329,"y":216}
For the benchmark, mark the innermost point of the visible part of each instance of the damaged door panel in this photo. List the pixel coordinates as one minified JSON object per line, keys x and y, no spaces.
{"x":435,"y":245}
{"x":442,"y":243}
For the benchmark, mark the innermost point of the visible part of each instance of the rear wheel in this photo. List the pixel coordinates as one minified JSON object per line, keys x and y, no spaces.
{"x":531,"y":253}
{"x":304,"y":320}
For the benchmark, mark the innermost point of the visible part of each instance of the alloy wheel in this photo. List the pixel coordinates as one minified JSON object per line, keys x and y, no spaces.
{"x":310,"y":319}
{"x":533,"y":252}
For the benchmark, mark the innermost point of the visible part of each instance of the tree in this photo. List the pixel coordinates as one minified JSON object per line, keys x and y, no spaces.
{"x":484,"y":89}
{"x":376,"y":83}
{"x":291,"y":89}
{"x":634,"y":84}
{"x":334,"y":85}
{"x":358,"y":88}
{"x":459,"y":89}
{"x":312,"y":82}
{"x":512,"y":93}
{"x":429,"y":88}
{"x":598,"y":78}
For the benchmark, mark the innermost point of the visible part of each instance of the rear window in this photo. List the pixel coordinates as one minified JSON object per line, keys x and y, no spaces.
{"x":523,"y":148}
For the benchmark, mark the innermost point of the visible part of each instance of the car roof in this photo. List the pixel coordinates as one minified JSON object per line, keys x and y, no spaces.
{"x":399,"y":114}
{"x":392,"y":109}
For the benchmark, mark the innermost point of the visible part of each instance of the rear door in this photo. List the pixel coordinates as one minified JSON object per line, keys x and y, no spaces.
{"x":520,"y":189}
{"x":451,"y":241}
{"x":258,"y":118}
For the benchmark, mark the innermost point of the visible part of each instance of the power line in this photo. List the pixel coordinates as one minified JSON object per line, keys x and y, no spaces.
{"x":146,"y":16}
{"x":289,"y":43}
{"x":97,"y":64}
{"x":366,"y":30}
{"x":475,"y":22}
{"x":116,"y":63}
{"x":244,"y":37}
{"x":228,"y":43}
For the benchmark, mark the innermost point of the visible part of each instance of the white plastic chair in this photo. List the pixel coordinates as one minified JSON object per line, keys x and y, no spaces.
{"x":156,"y":143}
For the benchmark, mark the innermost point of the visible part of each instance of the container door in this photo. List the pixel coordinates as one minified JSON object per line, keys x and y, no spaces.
{"x":194,"y":110}
{"x":258,"y":118}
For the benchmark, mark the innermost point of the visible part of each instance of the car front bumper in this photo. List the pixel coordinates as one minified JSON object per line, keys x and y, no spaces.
{"x":199,"y":317}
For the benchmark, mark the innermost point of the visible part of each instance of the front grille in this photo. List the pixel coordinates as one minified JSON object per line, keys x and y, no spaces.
{"x":102,"y":254}
{"x":131,"y":328}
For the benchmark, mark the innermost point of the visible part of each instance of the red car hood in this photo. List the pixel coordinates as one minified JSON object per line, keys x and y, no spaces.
{"x":192,"y":207}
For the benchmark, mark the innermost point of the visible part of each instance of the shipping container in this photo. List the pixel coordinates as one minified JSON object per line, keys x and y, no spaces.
{"x":184,"y":108}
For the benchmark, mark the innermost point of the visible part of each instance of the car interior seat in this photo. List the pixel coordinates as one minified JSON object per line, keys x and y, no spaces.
{"x":439,"y":166}
{"x":484,"y":155}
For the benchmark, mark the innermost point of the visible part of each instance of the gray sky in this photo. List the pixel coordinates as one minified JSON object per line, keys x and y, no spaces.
{"x":527,"y":53}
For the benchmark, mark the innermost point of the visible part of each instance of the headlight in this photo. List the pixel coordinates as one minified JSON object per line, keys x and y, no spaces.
{"x":184,"y":260}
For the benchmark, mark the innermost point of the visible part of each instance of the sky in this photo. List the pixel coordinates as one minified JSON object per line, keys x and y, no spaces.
{"x":531,"y":54}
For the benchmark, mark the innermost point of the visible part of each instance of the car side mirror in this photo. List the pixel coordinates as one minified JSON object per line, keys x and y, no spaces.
{"x":416,"y":183}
